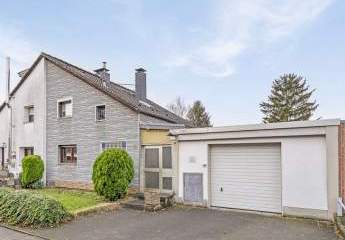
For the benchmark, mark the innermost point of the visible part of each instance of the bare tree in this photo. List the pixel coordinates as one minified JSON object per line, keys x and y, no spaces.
{"x":178,"y":107}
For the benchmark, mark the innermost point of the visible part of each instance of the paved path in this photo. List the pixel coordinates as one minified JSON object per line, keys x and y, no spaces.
{"x":7,"y":234}
{"x":189,"y":224}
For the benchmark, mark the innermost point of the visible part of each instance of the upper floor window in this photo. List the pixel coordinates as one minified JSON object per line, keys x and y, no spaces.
{"x":118,"y":144}
{"x":29,"y":114}
{"x":68,"y":153}
{"x":65,"y":108}
{"x":100,"y":112}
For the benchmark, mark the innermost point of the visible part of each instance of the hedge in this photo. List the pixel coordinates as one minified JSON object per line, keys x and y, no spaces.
{"x":112,"y":173}
{"x":30,"y":209}
{"x":33,"y":168}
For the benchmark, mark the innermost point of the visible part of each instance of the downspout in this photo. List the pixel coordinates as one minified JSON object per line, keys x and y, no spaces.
{"x":8,"y":73}
{"x":139,"y":155}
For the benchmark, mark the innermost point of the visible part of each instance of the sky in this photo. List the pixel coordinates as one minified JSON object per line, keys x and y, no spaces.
{"x":225,"y":53}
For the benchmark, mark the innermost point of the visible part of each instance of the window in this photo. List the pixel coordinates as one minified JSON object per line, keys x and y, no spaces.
{"x":167,"y":183}
{"x":100,"y":112}
{"x":28,"y":151}
{"x":65,"y":108}
{"x":29,"y":114}
{"x":152,"y":179}
{"x":119,"y":144}
{"x":68,"y":153}
{"x":167,"y":157}
{"x":152,"y":158}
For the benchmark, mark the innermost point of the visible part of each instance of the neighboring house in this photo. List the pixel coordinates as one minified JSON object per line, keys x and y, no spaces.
{"x":68,"y":116}
{"x":292,"y":168}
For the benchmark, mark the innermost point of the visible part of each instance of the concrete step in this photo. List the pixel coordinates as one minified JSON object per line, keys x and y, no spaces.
{"x":140,"y":195}
{"x":136,"y":204}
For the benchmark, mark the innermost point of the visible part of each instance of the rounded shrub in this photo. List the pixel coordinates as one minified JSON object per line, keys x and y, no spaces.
{"x":30,"y":209}
{"x":112,"y":173}
{"x":33,"y":168}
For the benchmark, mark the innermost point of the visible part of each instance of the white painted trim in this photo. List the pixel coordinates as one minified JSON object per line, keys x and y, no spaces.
{"x":63,"y":100}
{"x":255,"y":127}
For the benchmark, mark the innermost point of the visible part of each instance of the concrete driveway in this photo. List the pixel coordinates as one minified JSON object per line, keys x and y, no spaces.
{"x":189,"y":224}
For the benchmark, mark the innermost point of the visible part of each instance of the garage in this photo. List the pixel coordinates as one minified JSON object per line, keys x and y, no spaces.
{"x":246,"y":177}
{"x":289,"y":168}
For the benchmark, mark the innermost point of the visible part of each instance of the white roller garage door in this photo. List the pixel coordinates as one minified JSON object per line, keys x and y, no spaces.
{"x":246,"y":177}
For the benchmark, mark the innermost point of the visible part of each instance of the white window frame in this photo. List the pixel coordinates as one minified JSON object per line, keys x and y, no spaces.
{"x":58,"y":109}
{"x":105,"y":113}
{"x":113,"y":142}
{"x":74,"y":163}
{"x":27,"y":113}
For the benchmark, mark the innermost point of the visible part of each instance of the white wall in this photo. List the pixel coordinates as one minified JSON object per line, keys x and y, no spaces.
{"x":32,"y":92}
{"x":304,"y":168}
{"x":4,"y":125}
{"x":192,"y":156}
{"x":304,"y":175}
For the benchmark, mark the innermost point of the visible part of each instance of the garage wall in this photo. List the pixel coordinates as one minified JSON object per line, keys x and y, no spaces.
{"x":304,"y":165}
{"x":304,"y":168}
{"x":192,"y":157}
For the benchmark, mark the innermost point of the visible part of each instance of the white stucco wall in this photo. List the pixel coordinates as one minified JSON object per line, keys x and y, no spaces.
{"x":304,"y":168}
{"x":4,"y":129}
{"x":31,"y":92}
{"x":304,"y":173}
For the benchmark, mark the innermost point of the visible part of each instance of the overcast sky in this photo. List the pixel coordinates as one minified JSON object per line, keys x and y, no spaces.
{"x":225,"y":53}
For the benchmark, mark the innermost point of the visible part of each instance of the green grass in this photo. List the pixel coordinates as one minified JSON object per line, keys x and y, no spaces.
{"x":72,"y":200}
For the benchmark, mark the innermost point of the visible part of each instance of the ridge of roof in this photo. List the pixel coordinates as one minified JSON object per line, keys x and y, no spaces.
{"x":120,"y":93}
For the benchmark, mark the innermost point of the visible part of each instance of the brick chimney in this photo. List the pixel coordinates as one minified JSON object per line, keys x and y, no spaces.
{"x":104,"y":74}
{"x":140,"y":83}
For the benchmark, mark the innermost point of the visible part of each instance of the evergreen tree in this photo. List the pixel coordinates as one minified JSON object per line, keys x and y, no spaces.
{"x":289,"y":100}
{"x":198,"y":115}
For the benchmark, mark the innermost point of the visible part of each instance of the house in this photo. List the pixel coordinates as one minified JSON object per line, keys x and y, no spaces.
{"x":68,"y":115}
{"x":292,"y":168}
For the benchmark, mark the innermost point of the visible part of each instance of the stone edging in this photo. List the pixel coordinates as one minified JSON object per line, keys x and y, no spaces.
{"x":109,"y":206}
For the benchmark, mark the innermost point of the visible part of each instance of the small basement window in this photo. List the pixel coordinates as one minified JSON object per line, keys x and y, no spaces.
{"x":65,"y":108}
{"x":29,"y":114}
{"x":68,"y":154}
{"x":28,"y":151}
{"x":118,"y":144}
{"x":100,"y":112}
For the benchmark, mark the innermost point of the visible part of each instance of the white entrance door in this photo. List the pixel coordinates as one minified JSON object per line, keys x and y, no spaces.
{"x":246,"y":177}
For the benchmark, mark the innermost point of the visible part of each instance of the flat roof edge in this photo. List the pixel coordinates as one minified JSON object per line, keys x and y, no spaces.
{"x":260,"y":126}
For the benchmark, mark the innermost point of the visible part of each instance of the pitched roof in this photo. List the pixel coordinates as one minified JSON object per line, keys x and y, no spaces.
{"x":116,"y":91}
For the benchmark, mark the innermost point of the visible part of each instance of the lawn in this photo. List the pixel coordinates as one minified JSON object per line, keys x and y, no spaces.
{"x":72,"y":200}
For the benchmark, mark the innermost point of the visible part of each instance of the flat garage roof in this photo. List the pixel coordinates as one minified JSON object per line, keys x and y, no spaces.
{"x":257,"y":127}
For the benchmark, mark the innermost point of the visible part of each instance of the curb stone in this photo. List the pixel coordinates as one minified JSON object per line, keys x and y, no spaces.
{"x":95,"y":209}
{"x":23,"y":232}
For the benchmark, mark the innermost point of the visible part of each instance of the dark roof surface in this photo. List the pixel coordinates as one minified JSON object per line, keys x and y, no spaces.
{"x":116,"y":91}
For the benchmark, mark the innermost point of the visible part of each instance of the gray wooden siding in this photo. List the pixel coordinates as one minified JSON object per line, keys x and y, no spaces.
{"x":121,"y":124}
